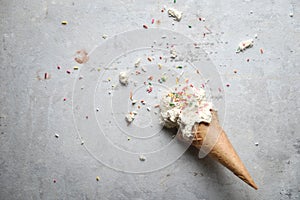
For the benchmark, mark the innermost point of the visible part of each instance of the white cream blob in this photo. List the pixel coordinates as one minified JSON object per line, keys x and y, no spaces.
{"x":183,"y":108}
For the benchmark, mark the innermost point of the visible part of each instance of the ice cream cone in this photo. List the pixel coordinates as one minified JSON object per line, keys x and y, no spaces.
{"x":212,"y":138}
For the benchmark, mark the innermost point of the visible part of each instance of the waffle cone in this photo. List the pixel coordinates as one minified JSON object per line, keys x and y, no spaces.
{"x":219,"y":148}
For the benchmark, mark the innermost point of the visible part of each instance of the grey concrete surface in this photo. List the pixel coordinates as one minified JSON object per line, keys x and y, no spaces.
{"x":262,"y":102}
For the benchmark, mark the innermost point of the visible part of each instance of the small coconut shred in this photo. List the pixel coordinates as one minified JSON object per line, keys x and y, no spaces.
{"x":183,"y":108}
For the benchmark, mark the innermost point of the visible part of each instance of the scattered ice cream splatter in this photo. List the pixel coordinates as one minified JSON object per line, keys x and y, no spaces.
{"x":175,"y":14}
{"x":244,"y":45}
{"x":137,"y":62}
{"x":142,"y":158}
{"x":173,"y":53}
{"x":144,"y":69}
{"x":104,"y":36}
{"x":123,"y":78}
{"x":130,"y":117}
{"x":134,"y":101}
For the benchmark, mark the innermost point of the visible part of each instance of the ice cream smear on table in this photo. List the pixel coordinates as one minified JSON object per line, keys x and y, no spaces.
{"x":183,"y":107}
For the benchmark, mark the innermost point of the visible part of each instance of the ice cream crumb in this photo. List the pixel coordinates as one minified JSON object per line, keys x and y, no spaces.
{"x":244,"y":45}
{"x":175,"y":14}
{"x":130,"y":117}
{"x":173,"y":53}
{"x":137,"y":62}
{"x":144,"y":69}
{"x":123,"y":78}
{"x":134,"y":101}
{"x":142,"y":158}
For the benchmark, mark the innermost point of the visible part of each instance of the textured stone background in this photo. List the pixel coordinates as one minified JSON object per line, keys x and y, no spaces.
{"x":262,"y":102}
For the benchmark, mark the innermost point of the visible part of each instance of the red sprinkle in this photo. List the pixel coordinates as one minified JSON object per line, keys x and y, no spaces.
{"x":160,"y":57}
{"x":54,"y":180}
{"x":65,"y":99}
{"x":58,"y":67}
{"x":149,"y":90}
{"x":46,"y":76}
{"x":152,"y":21}
{"x":248,"y":60}
{"x":145,"y":26}
{"x":261,"y":51}
{"x":68,"y":71}
{"x":227,"y":85}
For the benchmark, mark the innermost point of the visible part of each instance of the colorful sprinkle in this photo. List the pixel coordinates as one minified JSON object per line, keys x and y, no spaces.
{"x":46,"y":76}
{"x":149,"y":89}
{"x":261,"y":50}
{"x":130,"y":96}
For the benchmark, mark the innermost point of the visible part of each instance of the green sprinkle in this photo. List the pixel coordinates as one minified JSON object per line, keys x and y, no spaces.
{"x":179,"y":67}
{"x":190,"y":26}
{"x":174,"y":1}
{"x":150,"y":83}
{"x":172,"y":104}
